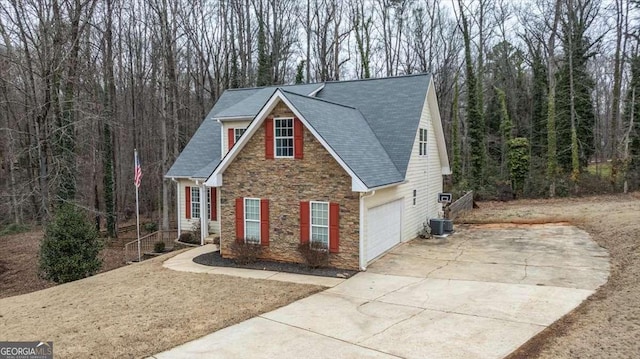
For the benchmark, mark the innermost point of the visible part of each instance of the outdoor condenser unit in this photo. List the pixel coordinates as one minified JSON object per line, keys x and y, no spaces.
{"x":448,"y":226}
{"x":437,"y":226}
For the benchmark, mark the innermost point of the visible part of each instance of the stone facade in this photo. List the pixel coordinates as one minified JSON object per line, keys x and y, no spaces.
{"x":286,"y":182}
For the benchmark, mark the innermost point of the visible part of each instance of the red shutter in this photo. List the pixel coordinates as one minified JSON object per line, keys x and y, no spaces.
{"x":334,"y":227}
{"x":264,"y":222}
{"x":187,"y":202}
{"x":304,"y":222}
{"x":231,"y":138}
{"x":213,"y":206}
{"x":268,"y":138}
{"x":240,"y":219}
{"x":298,"y":134}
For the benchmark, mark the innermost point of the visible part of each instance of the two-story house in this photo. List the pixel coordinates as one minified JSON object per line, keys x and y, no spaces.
{"x":354,"y":166}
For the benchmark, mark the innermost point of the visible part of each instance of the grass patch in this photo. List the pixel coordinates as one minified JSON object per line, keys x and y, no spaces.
{"x":13,"y":228}
{"x":139,"y":310}
{"x":601,"y":169}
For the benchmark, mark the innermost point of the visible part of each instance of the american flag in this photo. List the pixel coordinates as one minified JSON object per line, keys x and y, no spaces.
{"x":137,"y":176}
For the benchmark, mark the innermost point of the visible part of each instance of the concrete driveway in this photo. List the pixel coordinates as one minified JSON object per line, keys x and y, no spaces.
{"x":481,"y":293}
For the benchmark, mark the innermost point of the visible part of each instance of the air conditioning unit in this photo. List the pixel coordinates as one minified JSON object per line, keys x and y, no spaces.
{"x":437,"y":226}
{"x":448,"y":226}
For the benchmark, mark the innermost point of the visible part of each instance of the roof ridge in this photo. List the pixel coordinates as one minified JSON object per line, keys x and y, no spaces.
{"x":320,"y":99}
{"x":329,"y":81}
{"x":380,"y":78}
{"x":273,"y":86}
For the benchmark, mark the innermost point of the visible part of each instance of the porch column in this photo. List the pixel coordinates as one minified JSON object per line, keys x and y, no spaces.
{"x":178,"y":208}
{"x":204,"y":214}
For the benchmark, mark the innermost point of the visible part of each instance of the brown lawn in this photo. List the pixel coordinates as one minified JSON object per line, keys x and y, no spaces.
{"x":138,"y":310}
{"x":19,"y":262}
{"x":607,"y":324}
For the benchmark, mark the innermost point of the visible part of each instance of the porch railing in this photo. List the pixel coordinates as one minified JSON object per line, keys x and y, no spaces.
{"x":148,"y":242}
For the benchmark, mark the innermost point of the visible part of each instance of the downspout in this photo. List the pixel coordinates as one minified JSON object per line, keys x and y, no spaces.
{"x":178,"y":205}
{"x":363,"y":260}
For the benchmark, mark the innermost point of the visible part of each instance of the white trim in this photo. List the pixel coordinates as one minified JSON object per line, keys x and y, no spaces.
{"x":319,"y":226}
{"x":293,"y":137}
{"x":315,"y":92}
{"x":432,"y":102}
{"x":199,"y":203}
{"x":215,"y":179}
{"x":388,"y":185}
{"x":221,"y":137}
{"x":244,"y":213}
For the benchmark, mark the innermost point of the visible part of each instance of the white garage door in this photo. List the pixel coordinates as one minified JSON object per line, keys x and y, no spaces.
{"x":383,"y":228}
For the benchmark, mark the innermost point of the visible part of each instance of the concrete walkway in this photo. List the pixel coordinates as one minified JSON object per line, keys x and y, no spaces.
{"x":183,"y":262}
{"x":479,"y":294}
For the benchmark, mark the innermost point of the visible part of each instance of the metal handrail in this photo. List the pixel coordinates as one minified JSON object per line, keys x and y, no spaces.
{"x":148,"y":242}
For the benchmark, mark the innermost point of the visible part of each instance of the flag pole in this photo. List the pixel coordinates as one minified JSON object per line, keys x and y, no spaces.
{"x":135,"y":154}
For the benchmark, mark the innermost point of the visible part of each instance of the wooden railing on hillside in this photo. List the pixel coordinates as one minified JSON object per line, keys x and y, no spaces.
{"x":148,"y":242}
{"x":464,"y":203}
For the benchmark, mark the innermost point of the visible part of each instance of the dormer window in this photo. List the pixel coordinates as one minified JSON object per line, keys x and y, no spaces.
{"x":237,"y":133}
{"x":283,"y":137}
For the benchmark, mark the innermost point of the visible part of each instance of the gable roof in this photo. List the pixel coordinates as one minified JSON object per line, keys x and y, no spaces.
{"x":202,"y":153}
{"x":350,"y":137}
{"x":392,"y":106}
{"x":250,"y":106}
{"x":369,"y":125}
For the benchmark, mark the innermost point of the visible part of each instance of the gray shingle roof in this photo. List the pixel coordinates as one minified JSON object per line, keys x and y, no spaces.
{"x":250,"y":106}
{"x":392,"y":107}
{"x":386,"y":112}
{"x":348,"y":134}
{"x":202,"y":154}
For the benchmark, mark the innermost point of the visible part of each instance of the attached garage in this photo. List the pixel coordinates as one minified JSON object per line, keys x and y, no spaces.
{"x":384,"y":228}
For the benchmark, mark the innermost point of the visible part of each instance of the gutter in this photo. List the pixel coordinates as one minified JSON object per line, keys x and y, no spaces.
{"x":387,"y":185}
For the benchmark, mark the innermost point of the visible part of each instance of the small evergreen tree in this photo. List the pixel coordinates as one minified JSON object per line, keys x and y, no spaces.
{"x":518,"y":163}
{"x":70,"y":247}
{"x":300,"y":73}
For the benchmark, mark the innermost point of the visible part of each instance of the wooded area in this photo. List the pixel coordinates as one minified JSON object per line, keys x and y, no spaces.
{"x":530,"y":93}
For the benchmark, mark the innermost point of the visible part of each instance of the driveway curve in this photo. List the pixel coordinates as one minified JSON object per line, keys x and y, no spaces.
{"x":481,"y":293}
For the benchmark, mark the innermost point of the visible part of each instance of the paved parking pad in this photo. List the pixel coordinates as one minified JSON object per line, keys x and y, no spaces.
{"x":480,"y":293}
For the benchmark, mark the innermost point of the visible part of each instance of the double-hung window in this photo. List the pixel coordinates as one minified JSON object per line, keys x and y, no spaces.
{"x":320,"y":224}
{"x":283,"y":128}
{"x":195,"y":202}
{"x":423,"y":142}
{"x":252,"y":220}
{"x":237,"y":132}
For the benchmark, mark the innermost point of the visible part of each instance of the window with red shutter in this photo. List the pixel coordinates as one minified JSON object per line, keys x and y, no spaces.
{"x":334,"y":227}
{"x":305,"y":216}
{"x":240,"y":219}
{"x":268,"y":138}
{"x":231,"y":138}
{"x":187,"y":202}
{"x":298,"y":134}
{"x":264,"y":222}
